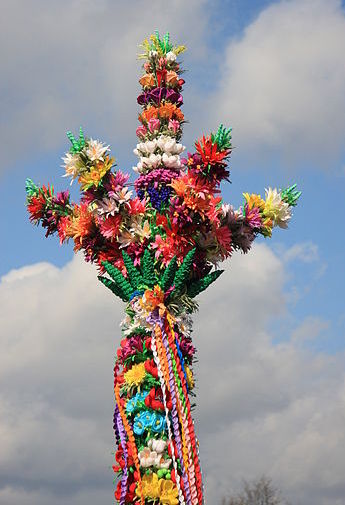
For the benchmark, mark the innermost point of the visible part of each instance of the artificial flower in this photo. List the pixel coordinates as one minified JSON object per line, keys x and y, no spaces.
{"x":96,"y":150}
{"x":147,"y":457}
{"x":153,"y":125}
{"x":147,"y":81}
{"x":158,"y":445}
{"x":108,"y":207}
{"x":150,"y":486}
{"x":168,"y":492}
{"x":141,"y":131}
{"x":275,"y":209}
{"x":135,"y":375}
{"x":73,"y":165}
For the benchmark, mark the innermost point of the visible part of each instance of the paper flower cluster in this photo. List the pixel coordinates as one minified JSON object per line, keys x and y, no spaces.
{"x":157,"y":250}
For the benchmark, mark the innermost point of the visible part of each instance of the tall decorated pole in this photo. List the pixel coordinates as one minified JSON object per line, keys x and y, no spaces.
{"x":157,"y":251}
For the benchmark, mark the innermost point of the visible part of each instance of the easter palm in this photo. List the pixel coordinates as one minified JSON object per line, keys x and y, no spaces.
{"x":157,"y":251}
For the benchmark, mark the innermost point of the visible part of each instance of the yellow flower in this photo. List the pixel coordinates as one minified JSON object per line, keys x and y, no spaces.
{"x":266,"y":227}
{"x":254,"y":200}
{"x":168,"y":492}
{"x":136,"y":375}
{"x":95,"y":176}
{"x":150,"y":486}
{"x":190,"y":378}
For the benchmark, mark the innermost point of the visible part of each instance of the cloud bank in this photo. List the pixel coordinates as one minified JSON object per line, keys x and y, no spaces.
{"x":262,"y":407}
{"x":71,"y":63}
{"x":281,"y":84}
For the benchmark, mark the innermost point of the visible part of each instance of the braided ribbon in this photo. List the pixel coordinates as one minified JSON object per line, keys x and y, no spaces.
{"x":122,"y":434}
{"x":163,"y":388}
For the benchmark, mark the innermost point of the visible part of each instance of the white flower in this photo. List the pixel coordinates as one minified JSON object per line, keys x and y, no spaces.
{"x":150,"y":145}
{"x":123,"y":195}
{"x":142,"y":230}
{"x":153,"y":54}
{"x":107,"y":207}
{"x":160,"y":462}
{"x":276,"y":209}
{"x":171,"y":57}
{"x":96,"y":150}
{"x":125,"y":238}
{"x":145,"y":148}
{"x":72,"y":165}
{"x":155,"y":160}
{"x":179,"y":148}
{"x":171,"y":161}
{"x":169,"y":145}
{"x":157,"y":445}
{"x":226,"y":208}
{"x":147,"y":458}
{"x":138,"y":168}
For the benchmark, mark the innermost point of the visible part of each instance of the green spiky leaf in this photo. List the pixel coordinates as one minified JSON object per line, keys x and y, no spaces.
{"x":119,"y":279}
{"x":133,"y":274}
{"x":169,"y":274}
{"x":222,"y":138}
{"x":31,"y":188}
{"x":198,"y":286}
{"x":148,"y":269}
{"x":183,"y":273}
{"x":113,"y":287}
{"x":290,"y":195}
{"x":77,"y":145}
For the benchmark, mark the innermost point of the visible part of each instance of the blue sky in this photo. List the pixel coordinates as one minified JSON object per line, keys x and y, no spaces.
{"x":272,"y":70}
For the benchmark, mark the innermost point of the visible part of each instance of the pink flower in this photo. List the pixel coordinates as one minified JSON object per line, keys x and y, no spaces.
{"x":174,"y":125}
{"x":153,"y":124}
{"x":141,"y":131}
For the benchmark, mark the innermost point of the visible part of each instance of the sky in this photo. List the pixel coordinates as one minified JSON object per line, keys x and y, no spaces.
{"x":270,"y":333}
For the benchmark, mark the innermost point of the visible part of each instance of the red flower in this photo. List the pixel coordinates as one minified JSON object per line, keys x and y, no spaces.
{"x":36,"y":207}
{"x":154,"y":400}
{"x":110,"y":226}
{"x":136,"y":206}
{"x":161,"y":76}
{"x":151,"y":368}
{"x":209,"y":152}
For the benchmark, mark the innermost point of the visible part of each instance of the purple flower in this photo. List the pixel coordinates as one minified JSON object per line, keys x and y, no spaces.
{"x":156,"y":95}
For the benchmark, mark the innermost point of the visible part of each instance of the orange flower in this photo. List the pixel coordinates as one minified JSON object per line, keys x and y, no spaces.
{"x":254,"y":200}
{"x":150,"y":113}
{"x":147,"y":81}
{"x":152,"y":299}
{"x":170,"y":111}
{"x":195,"y":195}
{"x":81,"y":225}
{"x":172,"y":78}
{"x":179,"y":185}
{"x":167,"y":111}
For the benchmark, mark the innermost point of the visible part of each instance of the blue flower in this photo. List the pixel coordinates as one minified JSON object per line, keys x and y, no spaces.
{"x":158,"y":423}
{"x":146,"y":418}
{"x":138,"y":426}
{"x":132,"y":403}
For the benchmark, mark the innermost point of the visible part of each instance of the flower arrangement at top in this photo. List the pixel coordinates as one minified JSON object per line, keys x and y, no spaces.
{"x":157,"y":250}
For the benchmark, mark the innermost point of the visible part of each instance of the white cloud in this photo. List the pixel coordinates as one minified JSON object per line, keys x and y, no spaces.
{"x":261,"y":407}
{"x":71,"y":63}
{"x":281,"y":84}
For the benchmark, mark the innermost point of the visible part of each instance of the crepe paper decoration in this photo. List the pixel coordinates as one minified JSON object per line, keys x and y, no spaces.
{"x":157,"y":251}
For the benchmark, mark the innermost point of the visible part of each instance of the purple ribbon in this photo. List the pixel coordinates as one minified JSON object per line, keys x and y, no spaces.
{"x":153,"y":319}
{"x":122,"y":434}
